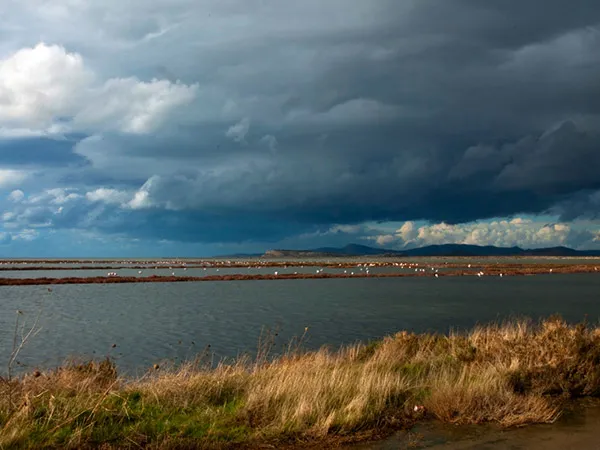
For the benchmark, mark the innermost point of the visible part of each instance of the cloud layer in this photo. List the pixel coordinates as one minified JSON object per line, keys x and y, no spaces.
{"x":46,"y":90}
{"x":245,"y":121}
{"x":524,"y":233}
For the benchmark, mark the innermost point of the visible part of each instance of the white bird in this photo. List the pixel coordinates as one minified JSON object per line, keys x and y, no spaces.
{"x":276,"y":272}
{"x":436,"y":275}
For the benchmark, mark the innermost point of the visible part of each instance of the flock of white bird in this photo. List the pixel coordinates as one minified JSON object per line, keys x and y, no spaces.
{"x":362,"y":267}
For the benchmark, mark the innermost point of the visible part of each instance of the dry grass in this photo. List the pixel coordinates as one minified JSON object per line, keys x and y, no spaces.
{"x":513,"y":374}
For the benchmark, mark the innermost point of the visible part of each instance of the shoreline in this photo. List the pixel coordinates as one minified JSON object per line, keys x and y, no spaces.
{"x":488,"y":270}
{"x":510,"y":374}
{"x":345,"y":263}
{"x":284,"y":260}
{"x":576,"y":428}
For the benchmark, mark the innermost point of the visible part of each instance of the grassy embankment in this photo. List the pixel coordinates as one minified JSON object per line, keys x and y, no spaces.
{"x":513,"y":374}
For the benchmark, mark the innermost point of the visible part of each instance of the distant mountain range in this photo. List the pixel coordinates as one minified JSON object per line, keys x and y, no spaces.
{"x":430,"y":250}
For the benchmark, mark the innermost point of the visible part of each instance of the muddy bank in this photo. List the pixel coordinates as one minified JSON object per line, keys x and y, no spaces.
{"x":490,"y":271}
{"x":498,"y":267}
{"x":34,"y":268}
{"x":576,"y":429}
{"x":172,"y":279}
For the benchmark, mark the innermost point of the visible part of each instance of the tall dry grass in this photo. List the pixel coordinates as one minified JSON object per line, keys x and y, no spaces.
{"x":513,"y":374}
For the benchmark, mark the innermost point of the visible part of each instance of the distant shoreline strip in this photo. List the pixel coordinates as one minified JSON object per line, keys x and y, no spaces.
{"x":323,"y":264}
{"x":492,"y":272}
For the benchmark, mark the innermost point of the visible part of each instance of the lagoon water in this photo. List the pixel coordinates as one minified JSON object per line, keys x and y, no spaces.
{"x":173,"y":321}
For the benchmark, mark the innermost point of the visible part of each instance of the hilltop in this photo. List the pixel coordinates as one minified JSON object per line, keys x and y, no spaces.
{"x":429,"y":250}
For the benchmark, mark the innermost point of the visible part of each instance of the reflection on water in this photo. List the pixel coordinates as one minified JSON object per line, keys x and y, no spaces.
{"x":576,"y":429}
{"x":155,"y":321}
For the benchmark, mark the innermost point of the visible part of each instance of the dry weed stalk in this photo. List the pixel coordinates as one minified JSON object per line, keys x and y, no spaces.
{"x":512,"y":373}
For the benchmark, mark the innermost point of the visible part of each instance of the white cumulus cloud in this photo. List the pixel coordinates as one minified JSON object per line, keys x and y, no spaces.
{"x":141,"y":200}
{"x":504,"y":233}
{"x":133,"y":106}
{"x":55,"y":196}
{"x":385,"y":239}
{"x":38,"y":84}
{"x":109,"y":196}
{"x":46,"y":89}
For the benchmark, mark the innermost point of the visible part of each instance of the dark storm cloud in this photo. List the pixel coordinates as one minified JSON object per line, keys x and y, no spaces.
{"x":437,"y":110}
{"x":503,"y":23}
{"x":199,"y":227}
{"x":400,"y":180}
{"x":584,"y":204}
{"x":530,"y":175}
{"x":156,"y":224}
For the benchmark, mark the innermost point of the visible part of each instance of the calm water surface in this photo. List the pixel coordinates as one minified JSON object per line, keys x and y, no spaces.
{"x":156,"y":321}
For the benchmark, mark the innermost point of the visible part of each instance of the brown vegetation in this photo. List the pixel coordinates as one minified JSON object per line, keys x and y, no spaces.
{"x":511,"y":374}
{"x":488,"y":270}
{"x":479,"y":263}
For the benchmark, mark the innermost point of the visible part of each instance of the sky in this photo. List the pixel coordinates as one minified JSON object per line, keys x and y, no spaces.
{"x":206,"y":127}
